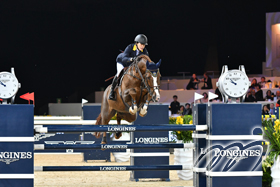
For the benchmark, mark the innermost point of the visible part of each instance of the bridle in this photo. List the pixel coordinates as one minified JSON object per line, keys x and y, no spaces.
{"x":153,"y":74}
{"x":144,"y":81}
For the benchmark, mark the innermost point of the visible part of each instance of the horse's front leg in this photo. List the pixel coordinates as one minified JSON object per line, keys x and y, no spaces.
{"x":133,"y":94}
{"x":144,"y":109}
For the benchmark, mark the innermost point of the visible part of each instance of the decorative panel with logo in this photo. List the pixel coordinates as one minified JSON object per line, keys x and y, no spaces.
{"x":234,"y":151}
{"x":16,"y":145}
{"x":157,"y":115}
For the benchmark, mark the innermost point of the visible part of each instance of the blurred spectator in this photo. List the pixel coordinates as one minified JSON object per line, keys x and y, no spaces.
{"x":174,"y":105}
{"x":265,"y":110}
{"x":249,"y":97}
{"x":254,"y":83}
{"x":271,"y":111}
{"x":192,"y":104}
{"x":205,"y":98}
{"x":193,"y":84}
{"x":182,"y":110}
{"x":188,"y":110}
{"x":263,"y":82}
{"x":277,"y":94}
{"x":207,"y":82}
{"x":259,"y":93}
{"x":254,"y":95}
{"x":268,"y":96}
{"x":269,"y":84}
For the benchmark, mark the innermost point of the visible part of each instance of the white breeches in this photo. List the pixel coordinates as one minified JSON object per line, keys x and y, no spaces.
{"x":119,"y":68}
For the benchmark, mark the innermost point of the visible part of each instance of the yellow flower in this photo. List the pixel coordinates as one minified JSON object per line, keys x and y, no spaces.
{"x":179,"y":120}
{"x":265,"y":117}
{"x":262,"y":117}
{"x":179,"y":132}
{"x":273,"y":116}
{"x":191,"y":122}
{"x":265,"y":128}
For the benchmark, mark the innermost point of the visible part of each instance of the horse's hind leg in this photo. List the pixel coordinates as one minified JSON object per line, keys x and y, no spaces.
{"x":106,"y":117}
{"x":118,"y":134}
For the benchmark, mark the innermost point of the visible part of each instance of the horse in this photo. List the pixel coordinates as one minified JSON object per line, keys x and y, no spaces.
{"x":138,"y":86}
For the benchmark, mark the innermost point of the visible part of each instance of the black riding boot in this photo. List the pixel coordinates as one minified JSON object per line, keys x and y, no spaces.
{"x":112,"y":93}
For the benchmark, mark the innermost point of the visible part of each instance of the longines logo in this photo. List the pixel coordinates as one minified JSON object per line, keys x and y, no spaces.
{"x":234,"y":154}
{"x":9,"y":157}
{"x":104,"y":146}
{"x":227,"y":157}
{"x":112,"y":168}
{"x":5,"y":80}
{"x":38,"y":137}
{"x":151,"y":140}
{"x":121,"y":128}
{"x":235,"y":79}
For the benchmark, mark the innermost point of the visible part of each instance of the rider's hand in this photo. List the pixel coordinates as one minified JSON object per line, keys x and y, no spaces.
{"x":132,"y":59}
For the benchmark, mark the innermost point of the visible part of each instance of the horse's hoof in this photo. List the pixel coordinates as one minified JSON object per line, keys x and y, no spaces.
{"x":96,"y":134}
{"x":143,"y":115}
{"x":133,"y":111}
{"x":117,"y":136}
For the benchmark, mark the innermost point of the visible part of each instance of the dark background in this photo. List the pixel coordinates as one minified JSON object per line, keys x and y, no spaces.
{"x":67,"y":48}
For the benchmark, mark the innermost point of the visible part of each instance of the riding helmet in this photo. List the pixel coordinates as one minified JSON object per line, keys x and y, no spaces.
{"x":141,"y":38}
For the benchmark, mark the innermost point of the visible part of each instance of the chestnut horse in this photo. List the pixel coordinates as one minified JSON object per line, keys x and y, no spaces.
{"x":138,"y":86}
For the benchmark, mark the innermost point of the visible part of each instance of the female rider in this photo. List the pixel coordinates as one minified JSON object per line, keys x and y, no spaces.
{"x":127,"y":57}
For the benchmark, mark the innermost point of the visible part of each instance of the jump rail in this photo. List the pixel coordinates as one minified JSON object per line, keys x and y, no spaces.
{"x":116,"y":128}
{"x":110,"y":146}
{"x":111,"y":168}
{"x":73,"y":122}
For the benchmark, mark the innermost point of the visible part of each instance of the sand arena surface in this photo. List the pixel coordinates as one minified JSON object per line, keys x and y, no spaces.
{"x":93,"y":178}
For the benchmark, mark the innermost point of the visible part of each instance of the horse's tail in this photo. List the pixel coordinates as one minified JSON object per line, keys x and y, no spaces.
{"x":98,"y":122}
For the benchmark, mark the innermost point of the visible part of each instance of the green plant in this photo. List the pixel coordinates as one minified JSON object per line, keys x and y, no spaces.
{"x":271,"y":129}
{"x":266,"y":167}
{"x":186,"y":136}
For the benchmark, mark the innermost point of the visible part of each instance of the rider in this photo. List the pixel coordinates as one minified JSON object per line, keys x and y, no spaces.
{"x":128,"y":56}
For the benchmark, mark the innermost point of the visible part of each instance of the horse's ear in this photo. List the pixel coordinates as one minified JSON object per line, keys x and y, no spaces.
{"x":158,"y":64}
{"x":147,"y":64}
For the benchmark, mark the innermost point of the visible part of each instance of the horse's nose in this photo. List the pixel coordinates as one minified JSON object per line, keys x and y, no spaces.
{"x":157,"y":97}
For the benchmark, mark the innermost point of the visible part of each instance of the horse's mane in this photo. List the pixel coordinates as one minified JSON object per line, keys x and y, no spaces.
{"x":145,"y":57}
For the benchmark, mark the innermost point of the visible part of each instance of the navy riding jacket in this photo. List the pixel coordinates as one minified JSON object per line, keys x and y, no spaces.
{"x":130,"y":52}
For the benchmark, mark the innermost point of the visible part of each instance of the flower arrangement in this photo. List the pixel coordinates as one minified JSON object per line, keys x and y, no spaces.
{"x":271,"y":129}
{"x":186,"y":136}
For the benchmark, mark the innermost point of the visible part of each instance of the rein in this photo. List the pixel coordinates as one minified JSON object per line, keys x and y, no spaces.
{"x":143,"y":81}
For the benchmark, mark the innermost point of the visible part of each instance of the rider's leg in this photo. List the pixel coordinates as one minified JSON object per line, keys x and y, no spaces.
{"x":115,"y":81}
